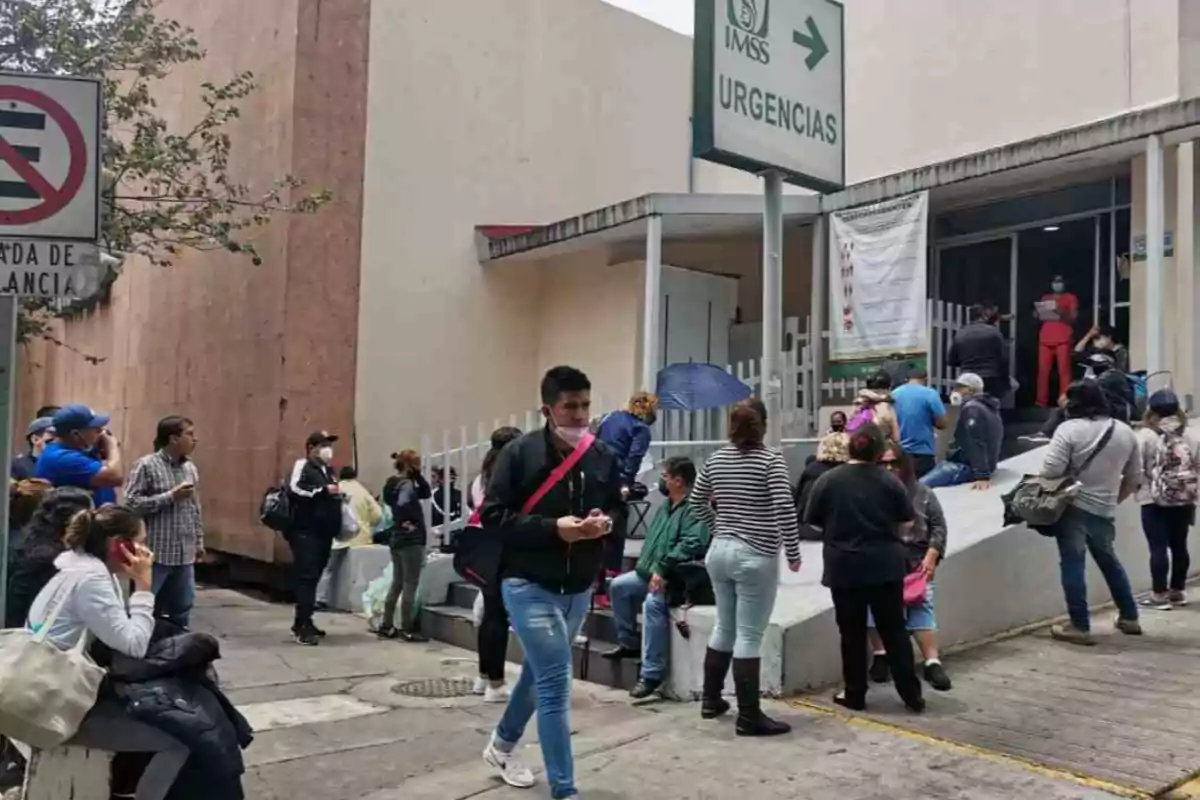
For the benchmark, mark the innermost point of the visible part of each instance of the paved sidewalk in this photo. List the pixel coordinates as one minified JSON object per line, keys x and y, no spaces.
{"x":1125,"y":712}
{"x":332,"y":726}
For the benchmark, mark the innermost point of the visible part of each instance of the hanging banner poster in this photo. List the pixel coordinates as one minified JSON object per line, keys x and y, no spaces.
{"x":877,"y":259}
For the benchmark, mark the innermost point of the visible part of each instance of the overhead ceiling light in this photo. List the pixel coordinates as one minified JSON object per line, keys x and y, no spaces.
{"x":1050,"y":228}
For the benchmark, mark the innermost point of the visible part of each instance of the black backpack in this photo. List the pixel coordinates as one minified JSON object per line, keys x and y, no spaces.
{"x":276,"y":508}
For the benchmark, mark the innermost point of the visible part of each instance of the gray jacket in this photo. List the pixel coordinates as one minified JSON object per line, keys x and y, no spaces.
{"x":928,"y":529}
{"x":1117,"y":468}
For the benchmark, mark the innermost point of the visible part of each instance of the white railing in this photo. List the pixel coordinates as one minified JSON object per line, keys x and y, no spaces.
{"x":696,"y":433}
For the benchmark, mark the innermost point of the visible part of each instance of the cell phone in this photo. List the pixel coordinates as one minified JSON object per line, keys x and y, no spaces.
{"x":120,"y":550}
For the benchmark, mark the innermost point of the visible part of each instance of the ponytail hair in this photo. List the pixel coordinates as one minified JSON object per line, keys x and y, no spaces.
{"x":500,"y":438}
{"x":406,"y":462}
{"x":89,"y":530}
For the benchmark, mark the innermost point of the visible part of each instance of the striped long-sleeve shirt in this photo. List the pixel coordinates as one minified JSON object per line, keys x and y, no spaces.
{"x":753,"y":497}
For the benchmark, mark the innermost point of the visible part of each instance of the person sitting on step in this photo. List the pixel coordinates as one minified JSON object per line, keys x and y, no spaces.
{"x":676,"y":536}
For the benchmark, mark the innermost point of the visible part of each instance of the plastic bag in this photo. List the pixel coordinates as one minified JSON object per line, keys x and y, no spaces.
{"x":374,"y":597}
{"x":477,"y":610}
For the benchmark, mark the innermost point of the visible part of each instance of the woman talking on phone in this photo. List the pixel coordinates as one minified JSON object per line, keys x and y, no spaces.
{"x":105,"y":546}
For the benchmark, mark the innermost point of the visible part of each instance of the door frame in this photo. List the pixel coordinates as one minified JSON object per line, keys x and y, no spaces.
{"x":1013,"y":257}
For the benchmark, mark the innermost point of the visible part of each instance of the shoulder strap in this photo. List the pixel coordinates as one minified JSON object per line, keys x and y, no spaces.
{"x":1087,"y":462}
{"x":560,"y":472}
{"x":66,"y":588}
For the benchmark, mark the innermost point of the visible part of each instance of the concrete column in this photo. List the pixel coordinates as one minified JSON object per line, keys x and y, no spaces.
{"x":652,"y":318}
{"x":1184,"y":287}
{"x":772,"y":359}
{"x":816,"y":314}
{"x":1155,"y":229}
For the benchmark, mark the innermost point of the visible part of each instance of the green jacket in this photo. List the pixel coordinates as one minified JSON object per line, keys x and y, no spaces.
{"x":674,"y":535}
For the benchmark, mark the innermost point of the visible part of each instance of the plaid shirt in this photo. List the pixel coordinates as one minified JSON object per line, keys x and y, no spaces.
{"x":173,"y":529}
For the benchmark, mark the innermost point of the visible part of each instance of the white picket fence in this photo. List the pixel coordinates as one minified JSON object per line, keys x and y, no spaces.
{"x":696,"y":433}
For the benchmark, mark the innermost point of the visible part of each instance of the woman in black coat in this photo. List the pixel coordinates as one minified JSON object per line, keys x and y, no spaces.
{"x":31,"y":565}
{"x":833,"y":451}
{"x":403,"y":494}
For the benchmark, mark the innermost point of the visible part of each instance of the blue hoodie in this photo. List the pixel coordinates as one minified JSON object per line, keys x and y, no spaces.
{"x":628,"y":438}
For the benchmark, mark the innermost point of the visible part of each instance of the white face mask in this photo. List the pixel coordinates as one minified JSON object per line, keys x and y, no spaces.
{"x":572,"y":436}
{"x":1058,"y":287}
{"x":956,"y":398}
{"x":325,"y":454}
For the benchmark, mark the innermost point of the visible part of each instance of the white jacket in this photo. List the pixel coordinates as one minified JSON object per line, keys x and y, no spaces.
{"x":95,"y":606}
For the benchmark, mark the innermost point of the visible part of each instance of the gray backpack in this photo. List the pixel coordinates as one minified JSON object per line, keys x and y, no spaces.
{"x":1040,"y":502}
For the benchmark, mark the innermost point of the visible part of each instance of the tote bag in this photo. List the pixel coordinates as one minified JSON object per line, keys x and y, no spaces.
{"x":45,"y":692}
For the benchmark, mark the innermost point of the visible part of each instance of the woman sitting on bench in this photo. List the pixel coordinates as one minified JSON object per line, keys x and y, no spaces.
{"x":103,"y":546}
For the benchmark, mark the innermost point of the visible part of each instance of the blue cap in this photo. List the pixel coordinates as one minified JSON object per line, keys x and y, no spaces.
{"x":40,"y":425}
{"x":78,"y":418}
{"x":1164,"y":402}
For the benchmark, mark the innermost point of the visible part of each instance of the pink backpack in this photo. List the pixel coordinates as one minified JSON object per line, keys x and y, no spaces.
{"x":864,"y":415}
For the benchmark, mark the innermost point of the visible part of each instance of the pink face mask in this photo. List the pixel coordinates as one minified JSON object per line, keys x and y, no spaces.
{"x":572,"y":436}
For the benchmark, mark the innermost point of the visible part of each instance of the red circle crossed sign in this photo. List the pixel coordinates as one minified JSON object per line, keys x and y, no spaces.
{"x":53,"y":199}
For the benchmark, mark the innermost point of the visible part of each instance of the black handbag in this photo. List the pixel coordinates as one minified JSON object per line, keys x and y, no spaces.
{"x":688,"y":584}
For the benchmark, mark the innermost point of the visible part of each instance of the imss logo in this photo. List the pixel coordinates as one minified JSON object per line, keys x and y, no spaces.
{"x":749,"y":21}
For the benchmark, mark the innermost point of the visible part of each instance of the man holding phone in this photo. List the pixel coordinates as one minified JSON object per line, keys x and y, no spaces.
{"x":162,"y":490}
{"x":549,"y":498}
{"x":84,"y":454}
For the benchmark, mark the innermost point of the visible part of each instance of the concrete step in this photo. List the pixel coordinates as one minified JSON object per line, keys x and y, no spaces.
{"x":600,"y":624}
{"x":453,"y":625}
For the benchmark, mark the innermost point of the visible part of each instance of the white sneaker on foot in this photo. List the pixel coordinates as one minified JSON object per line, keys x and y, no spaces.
{"x":480,"y":686}
{"x":495,"y":694}
{"x":508,"y":766}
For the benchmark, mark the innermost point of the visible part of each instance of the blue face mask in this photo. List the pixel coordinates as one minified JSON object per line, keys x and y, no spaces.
{"x":1058,"y":288}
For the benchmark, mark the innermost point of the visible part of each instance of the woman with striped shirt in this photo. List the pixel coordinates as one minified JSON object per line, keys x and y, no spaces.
{"x":754,"y":514}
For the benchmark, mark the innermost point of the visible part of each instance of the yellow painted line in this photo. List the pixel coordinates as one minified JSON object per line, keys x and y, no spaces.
{"x":1053,"y":773}
{"x":1188,"y":790}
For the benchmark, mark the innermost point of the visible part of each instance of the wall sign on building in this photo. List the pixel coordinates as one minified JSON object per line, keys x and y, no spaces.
{"x":877,"y":259}
{"x":768,"y":88}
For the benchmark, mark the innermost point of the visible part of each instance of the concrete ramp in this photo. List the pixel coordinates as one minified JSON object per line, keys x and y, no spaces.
{"x":994,"y":579}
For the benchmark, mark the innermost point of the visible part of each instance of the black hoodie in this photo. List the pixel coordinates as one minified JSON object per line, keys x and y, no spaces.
{"x":978,"y":436}
{"x":980,"y":348}
{"x":532,"y":547}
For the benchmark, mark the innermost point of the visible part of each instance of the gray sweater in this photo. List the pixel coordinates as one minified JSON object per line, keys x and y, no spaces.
{"x":1117,"y":468}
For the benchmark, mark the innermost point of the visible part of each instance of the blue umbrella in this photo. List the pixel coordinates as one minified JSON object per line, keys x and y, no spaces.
{"x":696,"y":387}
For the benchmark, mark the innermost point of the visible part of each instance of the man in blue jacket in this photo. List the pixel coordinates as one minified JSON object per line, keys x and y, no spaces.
{"x":978,"y":434}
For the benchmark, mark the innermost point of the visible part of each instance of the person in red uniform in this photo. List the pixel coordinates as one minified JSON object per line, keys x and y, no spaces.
{"x":1054,"y":340}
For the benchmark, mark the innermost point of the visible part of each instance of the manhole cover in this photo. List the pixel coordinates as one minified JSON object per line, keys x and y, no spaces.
{"x":435,"y":688}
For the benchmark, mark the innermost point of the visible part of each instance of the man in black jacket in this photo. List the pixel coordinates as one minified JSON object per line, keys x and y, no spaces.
{"x":980,"y":349}
{"x":978,"y":435}
{"x":316,"y":503}
{"x":551,"y":556}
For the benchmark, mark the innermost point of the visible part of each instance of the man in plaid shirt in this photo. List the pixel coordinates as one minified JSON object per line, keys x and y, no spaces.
{"x":162,"y":490}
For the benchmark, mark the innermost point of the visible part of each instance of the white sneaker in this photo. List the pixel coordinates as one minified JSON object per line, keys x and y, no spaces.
{"x":508,"y":766}
{"x":495,"y":694}
{"x":480,"y":686}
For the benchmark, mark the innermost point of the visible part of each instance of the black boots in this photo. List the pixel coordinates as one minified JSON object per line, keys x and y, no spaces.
{"x":716,"y":667}
{"x":751,"y":721}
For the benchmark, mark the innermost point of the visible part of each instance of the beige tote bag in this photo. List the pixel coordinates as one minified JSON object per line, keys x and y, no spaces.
{"x":45,"y":692}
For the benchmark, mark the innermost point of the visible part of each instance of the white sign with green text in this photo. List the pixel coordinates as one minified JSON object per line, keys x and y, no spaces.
{"x":768,"y":88}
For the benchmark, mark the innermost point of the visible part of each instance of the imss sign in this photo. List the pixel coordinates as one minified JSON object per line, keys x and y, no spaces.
{"x":768,"y":88}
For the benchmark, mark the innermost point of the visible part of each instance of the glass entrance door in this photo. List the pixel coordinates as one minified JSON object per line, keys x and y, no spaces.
{"x":983,"y":273}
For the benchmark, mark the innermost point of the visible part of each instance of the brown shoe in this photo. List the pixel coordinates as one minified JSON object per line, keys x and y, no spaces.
{"x":1072,"y":635}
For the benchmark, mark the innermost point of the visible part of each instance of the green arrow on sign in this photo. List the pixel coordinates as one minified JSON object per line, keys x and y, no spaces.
{"x":814,"y":42}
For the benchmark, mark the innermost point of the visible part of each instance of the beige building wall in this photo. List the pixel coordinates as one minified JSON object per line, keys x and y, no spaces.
{"x":522,"y":112}
{"x":928,"y":80}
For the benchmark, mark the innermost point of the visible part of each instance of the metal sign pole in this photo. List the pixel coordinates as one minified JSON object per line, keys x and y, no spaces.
{"x":8,"y":365}
{"x":772,"y":358}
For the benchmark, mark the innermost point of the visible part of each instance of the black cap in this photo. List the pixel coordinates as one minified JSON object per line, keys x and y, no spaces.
{"x":1164,"y":403}
{"x":320,"y":437}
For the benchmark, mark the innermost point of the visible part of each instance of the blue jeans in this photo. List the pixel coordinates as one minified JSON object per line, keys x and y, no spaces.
{"x":1079,"y":533}
{"x":174,"y":590}
{"x":627,"y":592}
{"x":947,"y":473}
{"x":745,"y":583}
{"x":546,"y":624}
